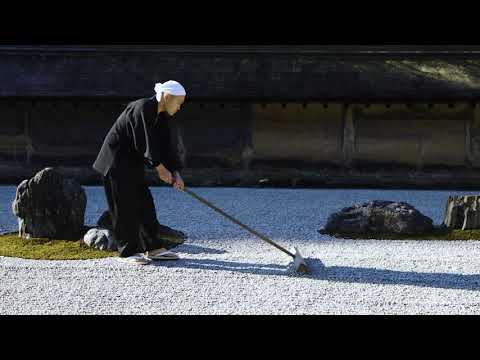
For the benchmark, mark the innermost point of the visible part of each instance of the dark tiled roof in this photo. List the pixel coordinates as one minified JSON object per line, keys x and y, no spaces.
{"x":329,"y":73}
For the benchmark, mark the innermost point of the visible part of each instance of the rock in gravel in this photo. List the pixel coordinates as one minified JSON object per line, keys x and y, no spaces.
{"x":101,"y":239}
{"x":462,"y":212}
{"x":50,"y":205}
{"x":378,"y":216}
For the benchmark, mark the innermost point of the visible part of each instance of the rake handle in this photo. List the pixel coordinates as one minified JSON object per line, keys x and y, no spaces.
{"x":263,"y":237}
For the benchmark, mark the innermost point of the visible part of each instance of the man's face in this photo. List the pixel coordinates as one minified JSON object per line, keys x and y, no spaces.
{"x":173,"y":103}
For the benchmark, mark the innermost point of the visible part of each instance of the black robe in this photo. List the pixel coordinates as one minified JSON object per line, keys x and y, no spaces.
{"x":139,"y":137}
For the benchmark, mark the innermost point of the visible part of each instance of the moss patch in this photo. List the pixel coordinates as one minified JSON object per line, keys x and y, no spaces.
{"x":437,"y":234}
{"x":45,"y":249}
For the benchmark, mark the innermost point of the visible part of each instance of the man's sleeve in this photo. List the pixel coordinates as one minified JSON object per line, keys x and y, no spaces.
{"x":145,"y":138}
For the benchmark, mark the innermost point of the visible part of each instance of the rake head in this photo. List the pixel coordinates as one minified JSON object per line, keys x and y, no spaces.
{"x":299,"y":262}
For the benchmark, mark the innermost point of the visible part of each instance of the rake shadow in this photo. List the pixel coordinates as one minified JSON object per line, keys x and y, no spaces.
{"x":343,"y":274}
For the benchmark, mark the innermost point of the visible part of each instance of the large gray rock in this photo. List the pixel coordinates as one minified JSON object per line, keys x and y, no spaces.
{"x":378,"y":217}
{"x":50,"y":206}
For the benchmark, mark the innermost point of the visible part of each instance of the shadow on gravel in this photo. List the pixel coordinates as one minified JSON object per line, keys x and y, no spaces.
{"x":195,"y":249}
{"x":392,"y":277}
{"x":337,"y":273}
{"x":204,"y":264}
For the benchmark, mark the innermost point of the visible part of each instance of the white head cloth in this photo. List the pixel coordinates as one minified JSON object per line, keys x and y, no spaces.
{"x":171,"y":87}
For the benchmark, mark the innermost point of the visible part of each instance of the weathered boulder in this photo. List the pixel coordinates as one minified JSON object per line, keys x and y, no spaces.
{"x":378,"y":216}
{"x":101,"y":239}
{"x":50,"y":206}
{"x":462,"y":212}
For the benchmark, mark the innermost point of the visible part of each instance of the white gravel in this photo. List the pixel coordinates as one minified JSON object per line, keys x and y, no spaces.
{"x":225,"y":270}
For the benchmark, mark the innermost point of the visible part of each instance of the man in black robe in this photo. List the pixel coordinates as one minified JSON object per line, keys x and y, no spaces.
{"x":142,"y":135}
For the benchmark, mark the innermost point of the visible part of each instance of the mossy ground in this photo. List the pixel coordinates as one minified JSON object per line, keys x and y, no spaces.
{"x":437,"y":234}
{"x":45,"y":249}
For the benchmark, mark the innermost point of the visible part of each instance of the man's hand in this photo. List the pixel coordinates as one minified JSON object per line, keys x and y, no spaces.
{"x":178,"y":181}
{"x":164,"y":174}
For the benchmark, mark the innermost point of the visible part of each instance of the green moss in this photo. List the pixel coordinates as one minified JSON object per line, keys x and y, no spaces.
{"x":45,"y":249}
{"x":437,"y":234}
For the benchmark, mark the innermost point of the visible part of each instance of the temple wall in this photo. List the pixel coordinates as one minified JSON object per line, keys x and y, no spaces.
{"x":249,"y":136}
{"x":252,"y":113}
